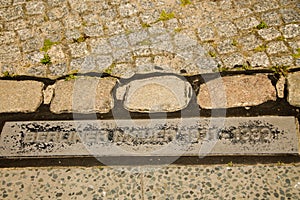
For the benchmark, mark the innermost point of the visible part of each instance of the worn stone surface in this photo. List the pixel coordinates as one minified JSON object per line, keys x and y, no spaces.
{"x":236,"y":91}
{"x":293,"y":83}
{"x":48,"y":94}
{"x":156,"y":94}
{"x":152,"y":137}
{"x":265,"y":181}
{"x":83,"y":95}
{"x":20,"y":96}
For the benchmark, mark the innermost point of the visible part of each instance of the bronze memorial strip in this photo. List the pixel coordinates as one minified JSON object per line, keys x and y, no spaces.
{"x":269,"y":135}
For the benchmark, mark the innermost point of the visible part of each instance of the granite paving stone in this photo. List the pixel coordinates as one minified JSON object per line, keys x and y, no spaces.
{"x":83,"y":95}
{"x":282,"y":60}
{"x":236,"y":91}
{"x":271,"y":18}
{"x":290,"y":30}
{"x":20,"y":96}
{"x":269,"y":33}
{"x":259,"y":59}
{"x":276,"y":47}
{"x":293,"y":81}
{"x":142,"y":96}
{"x":234,"y":59}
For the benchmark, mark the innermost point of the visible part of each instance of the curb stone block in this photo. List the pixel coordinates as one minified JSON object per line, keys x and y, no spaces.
{"x":83,"y":95}
{"x":236,"y":91}
{"x":20,"y":96}
{"x":293,"y":84}
{"x":155,"y":94}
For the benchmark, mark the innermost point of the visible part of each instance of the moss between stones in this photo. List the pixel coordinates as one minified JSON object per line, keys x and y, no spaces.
{"x":47,"y":45}
{"x":164,"y":16}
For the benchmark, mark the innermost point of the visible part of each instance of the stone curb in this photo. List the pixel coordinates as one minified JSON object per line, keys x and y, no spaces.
{"x":94,"y":95}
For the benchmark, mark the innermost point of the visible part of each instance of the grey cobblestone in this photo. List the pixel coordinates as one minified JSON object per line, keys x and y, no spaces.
{"x":272,"y":18}
{"x":25,"y":34}
{"x":290,"y":15}
{"x":11,"y":13}
{"x":247,"y":23}
{"x":7,"y":37}
{"x":57,"y":13}
{"x":226,"y":47}
{"x":228,"y":27}
{"x":259,"y":59}
{"x":269,"y":33}
{"x":249,"y":42}
{"x":35,"y":7}
{"x":262,"y":6}
{"x":206,"y":33}
{"x":94,"y":31}
{"x":233,"y":59}
{"x":127,"y":9}
{"x":276,"y":47}
{"x":291,"y":30}
{"x":284,"y":60}
{"x":78,"y":49}
{"x":100,"y":46}
{"x":72,"y":21}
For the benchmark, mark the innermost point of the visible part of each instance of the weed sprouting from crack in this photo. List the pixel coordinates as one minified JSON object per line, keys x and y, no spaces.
{"x":164,"y":16}
{"x":296,"y":55}
{"x":185,"y":2}
{"x":47,"y":45}
{"x":262,"y":25}
{"x":70,"y":77}
{"x":281,"y":70}
{"x":46,"y":59}
{"x":260,"y":48}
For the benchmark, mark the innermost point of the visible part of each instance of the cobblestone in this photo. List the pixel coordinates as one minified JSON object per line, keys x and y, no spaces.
{"x":35,"y":7}
{"x":20,"y":96}
{"x":141,"y":95}
{"x":78,"y":49}
{"x":226,"y":47}
{"x":247,"y":23}
{"x":291,"y":30}
{"x":259,"y":59}
{"x":83,"y":95}
{"x":284,"y":60}
{"x":272,"y":18}
{"x":124,"y":28}
{"x":269,"y":34}
{"x":237,"y":91}
{"x":276,"y":47}
{"x":249,"y":42}
{"x":290,"y":15}
{"x":293,"y":82}
{"x":226,"y":29}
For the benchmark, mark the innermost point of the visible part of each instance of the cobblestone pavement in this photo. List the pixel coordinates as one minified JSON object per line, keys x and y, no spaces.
{"x":277,"y":181}
{"x":52,"y":38}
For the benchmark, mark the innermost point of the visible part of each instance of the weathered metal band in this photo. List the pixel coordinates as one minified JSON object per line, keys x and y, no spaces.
{"x":155,"y":137}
